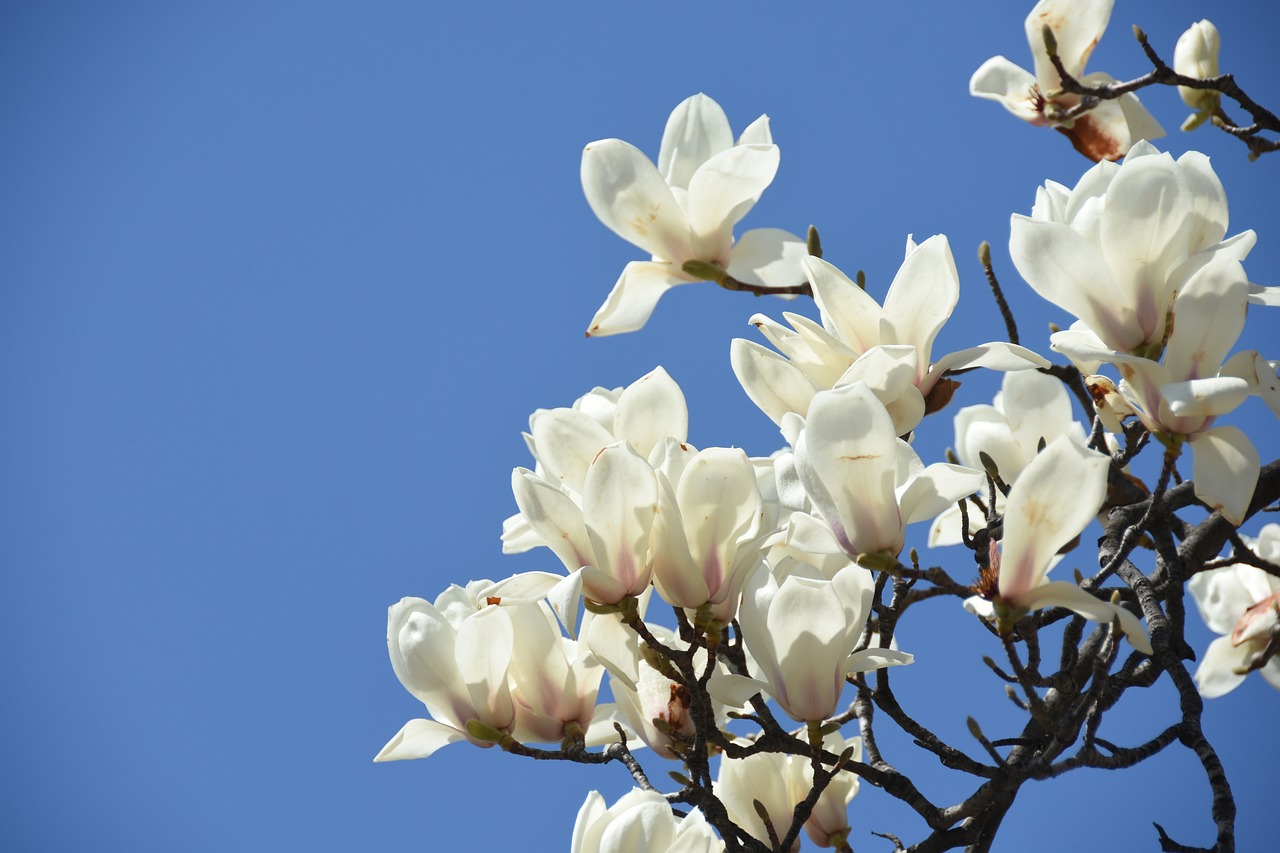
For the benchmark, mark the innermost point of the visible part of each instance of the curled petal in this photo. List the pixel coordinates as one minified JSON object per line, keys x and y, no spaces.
{"x":1013,"y":87}
{"x":633,"y":298}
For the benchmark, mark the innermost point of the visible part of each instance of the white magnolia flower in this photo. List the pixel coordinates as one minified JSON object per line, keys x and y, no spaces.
{"x":1242,"y":603}
{"x":606,"y":538}
{"x":684,"y":209}
{"x":1031,"y":407}
{"x":801,"y":633}
{"x":778,"y":782}
{"x":640,"y":822}
{"x":1115,"y":250}
{"x":1183,"y":395}
{"x":565,"y":441}
{"x":554,"y":679}
{"x":454,"y":656}
{"x":1196,"y":55}
{"x":706,"y":538}
{"x":1040,"y":517}
{"x":867,"y":483}
{"x":1104,"y":133}
{"x":889,"y":348}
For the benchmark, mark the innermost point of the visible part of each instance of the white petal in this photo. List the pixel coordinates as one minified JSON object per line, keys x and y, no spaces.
{"x":1075,"y":599}
{"x":696,"y":130}
{"x":567,"y":441}
{"x":1209,"y":316}
{"x":847,"y":311}
{"x":1216,"y":674}
{"x":769,"y":257}
{"x":418,"y":739}
{"x":998,"y":79}
{"x":1216,"y":395}
{"x":633,"y":298}
{"x":619,"y":502}
{"x":936,"y":488}
{"x":774,"y":384}
{"x":651,"y":409}
{"x":1077,"y":26}
{"x":869,"y":659}
{"x":921,"y":298}
{"x":1040,"y":516}
{"x":627,"y":193}
{"x":735,"y":690}
{"x":554,"y":517}
{"x":722,"y":191}
{"x":757,"y":133}
{"x":1225,"y":466}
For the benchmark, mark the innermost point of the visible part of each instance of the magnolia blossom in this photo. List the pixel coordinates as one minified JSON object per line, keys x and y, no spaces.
{"x":1115,"y":250}
{"x":640,"y":822}
{"x":778,"y":782}
{"x":1242,"y":603}
{"x":1183,"y":395}
{"x":706,"y":537}
{"x":1031,"y":407}
{"x":606,"y":539}
{"x":889,"y":348}
{"x":565,"y":441}
{"x":802,"y":632}
{"x":454,"y":656}
{"x":1196,"y":55}
{"x":1105,"y":132}
{"x":867,"y":483}
{"x":684,"y":209}
{"x":1040,"y":517}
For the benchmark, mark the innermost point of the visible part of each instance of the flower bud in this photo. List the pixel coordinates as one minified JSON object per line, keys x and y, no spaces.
{"x":1196,"y":55}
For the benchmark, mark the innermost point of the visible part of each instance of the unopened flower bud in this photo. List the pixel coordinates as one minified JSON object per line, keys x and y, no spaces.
{"x":1196,"y":55}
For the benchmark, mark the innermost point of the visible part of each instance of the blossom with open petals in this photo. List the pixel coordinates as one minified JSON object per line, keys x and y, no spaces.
{"x":1242,"y":603}
{"x":1115,"y":250}
{"x":889,"y":348}
{"x":640,"y":822}
{"x":1040,"y":517}
{"x":565,"y":441}
{"x":1105,"y":132}
{"x":1196,"y":55}
{"x":684,"y":209}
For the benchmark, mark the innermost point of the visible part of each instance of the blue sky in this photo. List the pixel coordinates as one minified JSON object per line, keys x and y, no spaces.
{"x":280,"y":285}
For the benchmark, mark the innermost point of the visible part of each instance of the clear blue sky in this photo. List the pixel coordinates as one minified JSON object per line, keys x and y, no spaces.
{"x":280,"y":284}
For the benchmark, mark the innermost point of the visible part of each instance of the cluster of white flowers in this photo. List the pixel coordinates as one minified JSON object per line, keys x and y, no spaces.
{"x":787,"y":547}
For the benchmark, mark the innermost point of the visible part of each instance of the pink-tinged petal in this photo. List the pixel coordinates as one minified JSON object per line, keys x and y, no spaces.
{"x":921,"y":298}
{"x":1069,"y":271}
{"x":1209,"y":316}
{"x":774,"y":384}
{"x":567,"y":441}
{"x":483,"y":649}
{"x":1077,"y":26}
{"x":722,"y":191}
{"x":651,"y":409}
{"x":1216,"y":675}
{"x":627,"y":193}
{"x":696,"y":130}
{"x":1040,"y":516}
{"x":1144,"y":232}
{"x":1000,"y":80}
{"x":1225,"y":467}
{"x":720,"y":503}
{"x":677,"y":575}
{"x":633,"y":298}
{"x":554,"y":517}
{"x":770,"y":257}
{"x":847,"y":311}
{"x":847,"y":460}
{"x":1075,"y":599}
{"x":619,"y":503}
{"x":419,"y":739}
{"x":936,"y":488}
{"x":807,"y":624}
